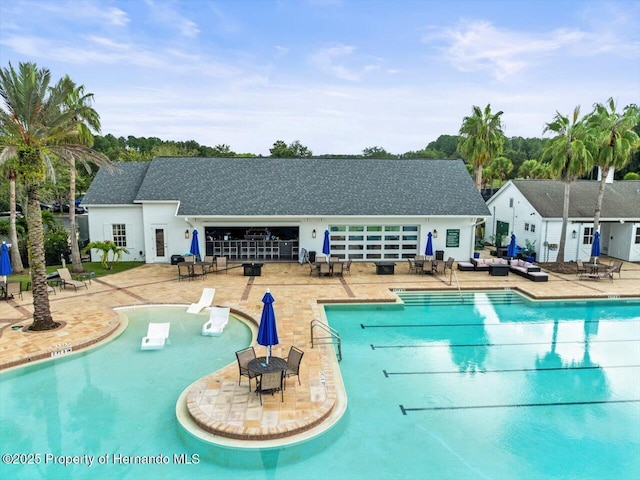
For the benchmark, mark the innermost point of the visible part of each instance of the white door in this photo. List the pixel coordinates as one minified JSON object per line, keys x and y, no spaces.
{"x":160,"y":243}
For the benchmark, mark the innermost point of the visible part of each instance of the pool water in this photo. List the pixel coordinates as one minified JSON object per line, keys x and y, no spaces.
{"x":115,"y":399}
{"x":492,"y":387}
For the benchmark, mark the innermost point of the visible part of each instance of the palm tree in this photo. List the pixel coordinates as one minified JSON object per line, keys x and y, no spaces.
{"x":481,"y":139}
{"x":106,"y":247}
{"x":615,"y":142}
{"x":569,"y":158}
{"x":87,"y":119}
{"x":502,"y":168}
{"x":35,"y":125}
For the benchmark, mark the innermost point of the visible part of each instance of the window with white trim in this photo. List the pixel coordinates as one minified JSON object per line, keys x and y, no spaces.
{"x":119,"y":231}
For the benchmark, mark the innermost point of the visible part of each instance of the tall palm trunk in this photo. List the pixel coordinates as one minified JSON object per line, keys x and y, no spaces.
{"x":603,"y":183}
{"x":76,"y":261}
{"x":565,"y":221}
{"x":16,"y":260}
{"x":42,"y":319}
{"x":479,"y":177}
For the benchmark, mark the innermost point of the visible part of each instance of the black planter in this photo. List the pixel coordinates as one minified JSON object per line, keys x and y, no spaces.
{"x":252,"y":269}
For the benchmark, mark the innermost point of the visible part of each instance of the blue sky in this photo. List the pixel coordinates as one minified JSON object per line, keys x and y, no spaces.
{"x":337,"y":75}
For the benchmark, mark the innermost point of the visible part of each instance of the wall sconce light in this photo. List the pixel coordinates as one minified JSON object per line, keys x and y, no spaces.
{"x":435,"y":233}
{"x":574,"y":234}
{"x":186,"y":234}
{"x":313,"y":234}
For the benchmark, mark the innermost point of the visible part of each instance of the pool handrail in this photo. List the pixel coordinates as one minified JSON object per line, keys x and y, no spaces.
{"x":334,"y":336}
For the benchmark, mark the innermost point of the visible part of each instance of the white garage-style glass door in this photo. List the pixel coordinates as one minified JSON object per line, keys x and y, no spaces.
{"x":374,"y":242}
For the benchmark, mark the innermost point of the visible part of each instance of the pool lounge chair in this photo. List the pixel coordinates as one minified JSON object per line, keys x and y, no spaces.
{"x":205,"y":300}
{"x":157,"y":336}
{"x":65,"y":276}
{"x":218,"y":319}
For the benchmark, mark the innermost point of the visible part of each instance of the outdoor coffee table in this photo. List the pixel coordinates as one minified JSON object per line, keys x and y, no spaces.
{"x":498,"y":270}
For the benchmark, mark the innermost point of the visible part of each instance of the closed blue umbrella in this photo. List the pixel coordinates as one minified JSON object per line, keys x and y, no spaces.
{"x":512,"y":248}
{"x":5,"y":262}
{"x":595,"y":247}
{"x":268,"y":332}
{"x":195,"y":246}
{"x":326,"y":246}
{"x":429,"y":250}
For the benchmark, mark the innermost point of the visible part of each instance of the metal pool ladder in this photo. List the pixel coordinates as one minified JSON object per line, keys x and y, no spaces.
{"x":333,"y":337}
{"x":454,"y":275}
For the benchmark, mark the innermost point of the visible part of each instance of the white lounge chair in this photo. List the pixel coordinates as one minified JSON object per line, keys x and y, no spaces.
{"x":205,"y":300}
{"x":218,"y":319}
{"x":157,"y":336}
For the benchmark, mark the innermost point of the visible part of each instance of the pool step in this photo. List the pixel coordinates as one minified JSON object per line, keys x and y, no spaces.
{"x":443,"y":299}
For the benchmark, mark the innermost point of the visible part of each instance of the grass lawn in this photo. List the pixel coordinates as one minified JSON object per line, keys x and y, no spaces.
{"x":95,"y":267}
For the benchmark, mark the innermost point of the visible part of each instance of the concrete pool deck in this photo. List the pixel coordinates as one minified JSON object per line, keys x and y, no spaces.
{"x":216,"y":408}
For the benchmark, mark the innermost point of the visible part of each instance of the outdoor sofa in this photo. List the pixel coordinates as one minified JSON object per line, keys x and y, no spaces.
{"x":527,"y":270}
{"x":479,"y":264}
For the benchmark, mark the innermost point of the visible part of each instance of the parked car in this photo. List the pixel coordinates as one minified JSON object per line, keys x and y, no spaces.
{"x":46,"y":206}
{"x":79,"y":210}
{"x":8,"y":213}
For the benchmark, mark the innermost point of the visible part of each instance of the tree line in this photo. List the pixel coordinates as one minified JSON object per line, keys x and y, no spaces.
{"x":47,"y":129}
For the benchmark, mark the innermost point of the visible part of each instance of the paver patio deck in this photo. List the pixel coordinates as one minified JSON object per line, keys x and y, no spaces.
{"x":215,"y":407}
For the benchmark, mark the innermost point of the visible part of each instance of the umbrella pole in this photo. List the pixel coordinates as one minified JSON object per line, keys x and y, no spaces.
{"x":268,"y":353}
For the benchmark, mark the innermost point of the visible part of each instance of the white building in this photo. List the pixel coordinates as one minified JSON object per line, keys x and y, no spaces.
{"x":532,"y":209}
{"x":272,"y":209}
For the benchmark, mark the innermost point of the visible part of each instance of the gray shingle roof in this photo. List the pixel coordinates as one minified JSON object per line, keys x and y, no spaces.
{"x":118,"y":187}
{"x":273,"y":186}
{"x":621,"y":199}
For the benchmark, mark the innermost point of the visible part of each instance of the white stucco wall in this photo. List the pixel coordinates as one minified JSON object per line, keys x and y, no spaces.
{"x":621,"y":241}
{"x":522,"y":218}
{"x":102,"y":218}
{"x":162,"y":214}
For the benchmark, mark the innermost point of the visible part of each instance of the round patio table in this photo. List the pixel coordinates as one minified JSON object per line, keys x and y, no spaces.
{"x":594,"y":267}
{"x":259,"y":365}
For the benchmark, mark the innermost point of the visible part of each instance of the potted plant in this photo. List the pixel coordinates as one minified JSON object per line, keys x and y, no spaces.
{"x":529,"y":251}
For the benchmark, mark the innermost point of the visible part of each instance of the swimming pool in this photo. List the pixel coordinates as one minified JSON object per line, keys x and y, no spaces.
{"x":113,"y":400}
{"x":495,"y":387}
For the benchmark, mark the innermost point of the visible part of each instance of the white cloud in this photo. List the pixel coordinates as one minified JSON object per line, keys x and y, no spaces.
{"x":281,"y":51}
{"x":165,"y":13}
{"x":87,"y":11}
{"x":478,"y":45}
{"x":327,"y":60}
{"x":341,"y":62}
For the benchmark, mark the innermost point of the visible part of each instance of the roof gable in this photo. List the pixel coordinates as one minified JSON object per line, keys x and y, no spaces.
{"x":621,"y":199}
{"x":117,"y":186}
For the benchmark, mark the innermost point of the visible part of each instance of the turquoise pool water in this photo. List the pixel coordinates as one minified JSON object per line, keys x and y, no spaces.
{"x":495,"y":387}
